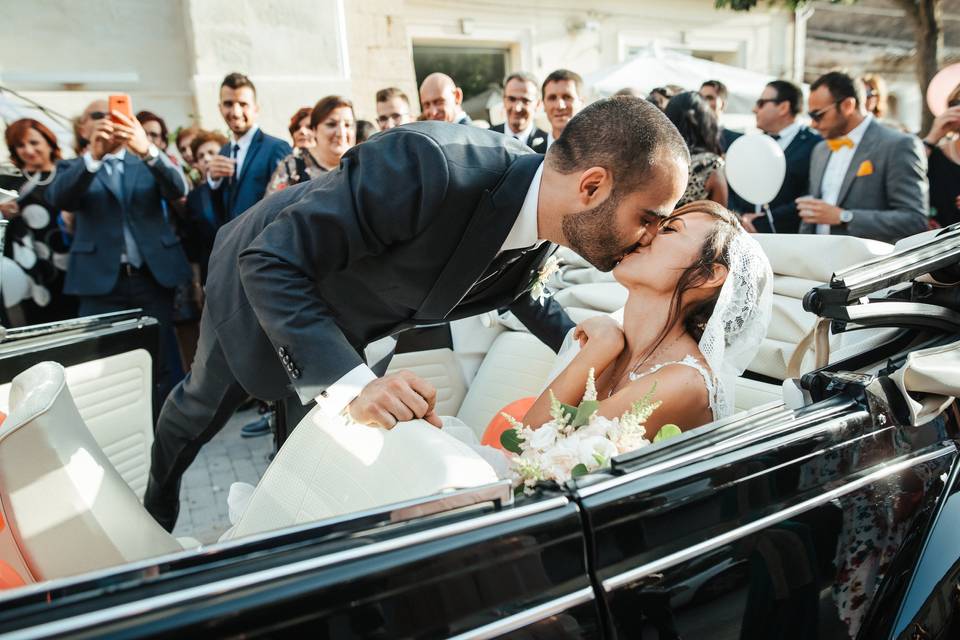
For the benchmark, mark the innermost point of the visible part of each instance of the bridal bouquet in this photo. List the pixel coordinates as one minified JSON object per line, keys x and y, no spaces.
{"x":577,"y":440}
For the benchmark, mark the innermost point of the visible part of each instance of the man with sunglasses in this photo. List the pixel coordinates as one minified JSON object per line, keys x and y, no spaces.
{"x":866,"y":180}
{"x":777,"y":112}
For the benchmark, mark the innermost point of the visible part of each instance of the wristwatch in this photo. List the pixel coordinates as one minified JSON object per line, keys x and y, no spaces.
{"x":153,"y":152}
{"x":846,"y":217}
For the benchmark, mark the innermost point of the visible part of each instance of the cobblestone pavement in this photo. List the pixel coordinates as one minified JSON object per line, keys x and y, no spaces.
{"x":226,"y":459}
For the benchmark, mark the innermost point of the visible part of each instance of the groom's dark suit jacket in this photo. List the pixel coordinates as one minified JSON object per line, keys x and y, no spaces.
{"x":398,"y":236}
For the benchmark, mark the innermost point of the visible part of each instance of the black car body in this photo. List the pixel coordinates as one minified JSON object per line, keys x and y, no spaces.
{"x":837,"y":519}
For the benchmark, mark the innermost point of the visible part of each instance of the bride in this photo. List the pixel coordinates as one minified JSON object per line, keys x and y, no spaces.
{"x":700,"y":297}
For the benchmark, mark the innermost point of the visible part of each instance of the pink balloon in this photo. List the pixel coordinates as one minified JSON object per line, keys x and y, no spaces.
{"x":940,"y":87}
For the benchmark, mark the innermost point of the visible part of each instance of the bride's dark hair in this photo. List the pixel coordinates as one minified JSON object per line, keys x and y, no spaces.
{"x":713,"y":252}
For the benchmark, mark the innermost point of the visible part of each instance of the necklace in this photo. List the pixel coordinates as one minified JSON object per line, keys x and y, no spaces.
{"x":36,"y":178}
{"x":632,"y":374}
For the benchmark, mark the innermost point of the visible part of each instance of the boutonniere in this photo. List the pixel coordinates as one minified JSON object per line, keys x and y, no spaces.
{"x":538,"y":288}
{"x":865,"y":169}
{"x":537,"y":141}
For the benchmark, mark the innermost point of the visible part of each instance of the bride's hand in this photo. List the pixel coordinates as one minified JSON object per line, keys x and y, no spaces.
{"x":601,"y":334}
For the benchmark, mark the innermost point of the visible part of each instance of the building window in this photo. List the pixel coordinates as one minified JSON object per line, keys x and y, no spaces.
{"x":477,"y":70}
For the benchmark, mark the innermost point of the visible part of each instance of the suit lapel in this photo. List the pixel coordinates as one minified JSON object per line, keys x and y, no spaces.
{"x":255,"y":145}
{"x":863,"y":150}
{"x":818,"y":164}
{"x":482,"y":239}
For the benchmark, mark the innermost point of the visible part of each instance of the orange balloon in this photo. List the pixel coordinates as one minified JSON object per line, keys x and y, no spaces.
{"x":940,"y":87}
{"x":499,"y":424}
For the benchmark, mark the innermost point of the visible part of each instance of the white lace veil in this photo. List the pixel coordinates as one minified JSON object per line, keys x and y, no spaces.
{"x":740,"y":319}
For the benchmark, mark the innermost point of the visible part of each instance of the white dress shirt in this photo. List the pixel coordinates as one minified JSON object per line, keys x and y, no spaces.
{"x":522,"y":136}
{"x":550,"y":139}
{"x":523,"y":234}
{"x":787,"y":134}
{"x":836,"y":169}
{"x":244,"y":144}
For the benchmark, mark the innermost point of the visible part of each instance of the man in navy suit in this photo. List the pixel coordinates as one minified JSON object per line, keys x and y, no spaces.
{"x":776,"y":112}
{"x":521,"y":100}
{"x":239,"y":176}
{"x":124,"y":254}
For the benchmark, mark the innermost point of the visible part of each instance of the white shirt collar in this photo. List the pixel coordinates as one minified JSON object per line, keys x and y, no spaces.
{"x":523,"y":135}
{"x":550,"y":139}
{"x":524,"y":232}
{"x":244,"y":141}
{"x":857,"y":134}
{"x":787,"y":134}
{"x":119,"y":155}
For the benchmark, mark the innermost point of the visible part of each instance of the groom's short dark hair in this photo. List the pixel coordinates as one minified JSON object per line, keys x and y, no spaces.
{"x":624,"y":134}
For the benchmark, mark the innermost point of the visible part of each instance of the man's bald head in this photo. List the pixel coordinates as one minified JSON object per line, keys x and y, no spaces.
{"x":440,"y":98}
{"x":96,"y":110}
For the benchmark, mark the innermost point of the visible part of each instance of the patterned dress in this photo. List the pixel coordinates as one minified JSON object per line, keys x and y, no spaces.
{"x":297,"y":167}
{"x":702,"y":165}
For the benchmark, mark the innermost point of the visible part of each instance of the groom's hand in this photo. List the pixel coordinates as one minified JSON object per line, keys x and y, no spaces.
{"x":394,"y":398}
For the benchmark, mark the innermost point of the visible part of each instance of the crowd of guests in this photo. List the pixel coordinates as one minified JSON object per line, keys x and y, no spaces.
{"x":128,"y":223}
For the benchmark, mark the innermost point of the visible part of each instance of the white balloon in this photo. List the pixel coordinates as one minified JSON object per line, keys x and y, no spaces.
{"x":756,"y":167}
{"x":36,"y":216}
{"x":15,"y":284}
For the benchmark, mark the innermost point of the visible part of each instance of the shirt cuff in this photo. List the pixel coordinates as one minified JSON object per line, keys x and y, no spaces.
{"x":92,"y":165}
{"x":341,"y":393}
{"x":214,"y":182}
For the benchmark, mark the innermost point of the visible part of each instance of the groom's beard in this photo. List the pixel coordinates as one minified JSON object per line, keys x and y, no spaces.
{"x":593,"y":234}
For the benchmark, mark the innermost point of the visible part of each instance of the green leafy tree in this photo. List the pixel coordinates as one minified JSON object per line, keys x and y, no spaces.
{"x":925,"y":16}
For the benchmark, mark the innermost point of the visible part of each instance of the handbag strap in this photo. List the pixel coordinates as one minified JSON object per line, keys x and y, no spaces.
{"x":819,"y":338}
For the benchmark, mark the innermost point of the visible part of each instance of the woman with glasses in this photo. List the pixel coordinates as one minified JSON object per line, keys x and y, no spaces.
{"x":698,"y":126}
{"x":943,"y":151}
{"x":36,"y":238}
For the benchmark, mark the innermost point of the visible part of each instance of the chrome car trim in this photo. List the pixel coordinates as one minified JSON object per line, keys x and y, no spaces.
{"x":528,"y":616}
{"x":736,"y":441}
{"x":657,"y":566}
{"x":221,"y":587}
{"x":73,"y":324}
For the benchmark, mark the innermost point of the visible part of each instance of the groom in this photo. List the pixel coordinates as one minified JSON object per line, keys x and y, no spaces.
{"x":424,"y":223}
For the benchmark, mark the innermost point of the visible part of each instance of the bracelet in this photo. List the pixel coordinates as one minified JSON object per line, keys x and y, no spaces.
{"x":928,"y":144}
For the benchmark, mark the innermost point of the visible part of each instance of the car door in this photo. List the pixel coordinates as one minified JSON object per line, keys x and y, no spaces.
{"x":471,"y":564}
{"x":109,"y":361}
{"x":780,"y":523}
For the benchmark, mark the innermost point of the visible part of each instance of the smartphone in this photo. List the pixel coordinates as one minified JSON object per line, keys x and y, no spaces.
{"x":120,"y":102}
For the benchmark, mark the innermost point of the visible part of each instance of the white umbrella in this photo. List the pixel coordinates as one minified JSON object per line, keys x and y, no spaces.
{"x":655,"y":67}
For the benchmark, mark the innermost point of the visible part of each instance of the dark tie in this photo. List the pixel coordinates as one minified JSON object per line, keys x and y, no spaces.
{"x":499,"y":264}
{"x":130,"y":248}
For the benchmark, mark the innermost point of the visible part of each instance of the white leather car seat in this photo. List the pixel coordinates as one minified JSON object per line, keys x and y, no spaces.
{"x":68,"y":510}
{"x":328,"y":467}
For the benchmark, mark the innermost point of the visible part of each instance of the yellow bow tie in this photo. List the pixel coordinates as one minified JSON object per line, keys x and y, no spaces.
{"x":836,"y":144}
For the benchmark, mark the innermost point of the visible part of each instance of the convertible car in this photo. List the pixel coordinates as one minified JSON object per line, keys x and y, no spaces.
{"x":828,"y":507}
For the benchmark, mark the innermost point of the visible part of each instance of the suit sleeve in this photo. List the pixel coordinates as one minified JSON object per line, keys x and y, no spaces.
{"x":280,"y":151}
{"x":70,"y":185}
{"x":785,"y":218}
{"x":548,"y":321}
{"x":387,"y":191}
{"x":173,"y":184}
{"x":908,"y":196}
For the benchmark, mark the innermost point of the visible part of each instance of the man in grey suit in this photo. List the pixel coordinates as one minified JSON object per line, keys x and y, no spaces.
{"x":424,"y":223}
{"x":866,"y":179}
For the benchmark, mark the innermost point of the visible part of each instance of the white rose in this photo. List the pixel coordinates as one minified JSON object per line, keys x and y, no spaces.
{"x":593,"y":447}
{"x":598,"y":427}
{"x":557,"y":462}
{"x":544,"y":437}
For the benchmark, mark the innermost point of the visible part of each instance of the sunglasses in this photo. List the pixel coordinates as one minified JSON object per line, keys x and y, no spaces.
{"x":817,"y":116}
{"x":98,"y":115}
{"x":763,"y":101}
{"x":953,"y":103}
